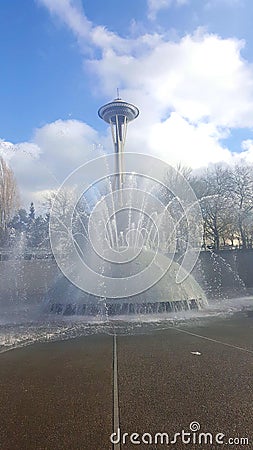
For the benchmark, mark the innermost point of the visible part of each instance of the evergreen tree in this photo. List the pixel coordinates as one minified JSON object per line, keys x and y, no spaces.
{"x":32,"y":211}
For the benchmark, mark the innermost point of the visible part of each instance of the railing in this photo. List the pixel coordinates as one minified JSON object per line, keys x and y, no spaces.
{"x":33,"y":253}
{"x":28,"y":254}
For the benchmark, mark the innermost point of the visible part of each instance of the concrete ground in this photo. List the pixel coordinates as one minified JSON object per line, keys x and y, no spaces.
{"x":60,"y":395}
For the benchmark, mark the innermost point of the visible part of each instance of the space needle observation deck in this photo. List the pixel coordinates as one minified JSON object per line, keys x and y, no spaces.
{"x":118,"y":114}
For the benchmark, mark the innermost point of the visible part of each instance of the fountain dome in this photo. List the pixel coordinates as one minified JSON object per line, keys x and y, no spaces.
{"x":166,"y":295}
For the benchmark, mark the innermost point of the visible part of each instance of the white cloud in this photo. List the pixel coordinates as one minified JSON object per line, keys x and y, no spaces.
{"x":176,"y":140}
{"x":71,"y":14}
{"x":191,"y":93}
{"x":59,"y":147}
{"x":201,"y":77}
{"x":54,"y":152}
{"x":9,"y":150}
{"x":210,"y":4}
{"x":154,"y":6}
{"x":247,"y":153}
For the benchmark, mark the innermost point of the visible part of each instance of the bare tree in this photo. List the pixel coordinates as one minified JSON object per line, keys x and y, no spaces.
{"x":63,"y":207}
{"x":214,"y":193}
{"x":9,"y":198}
{"x":241,"y":176}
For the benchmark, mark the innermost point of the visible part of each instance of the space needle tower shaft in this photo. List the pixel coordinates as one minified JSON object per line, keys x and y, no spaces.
{"x":118,"y":114}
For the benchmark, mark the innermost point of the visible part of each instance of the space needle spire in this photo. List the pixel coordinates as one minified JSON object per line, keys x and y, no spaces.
{"x":118,"y":114}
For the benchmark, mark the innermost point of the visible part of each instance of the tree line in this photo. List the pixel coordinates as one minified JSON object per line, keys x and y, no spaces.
{"x":226,"y":199}
{"x":225,"y":195}
{"x":16,"y":222}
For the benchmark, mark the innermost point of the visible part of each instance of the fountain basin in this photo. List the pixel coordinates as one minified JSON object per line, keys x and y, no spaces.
{"x":164,"y":296}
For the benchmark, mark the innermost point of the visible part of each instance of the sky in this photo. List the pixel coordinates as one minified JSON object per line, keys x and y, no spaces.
{"x":186,"y":64}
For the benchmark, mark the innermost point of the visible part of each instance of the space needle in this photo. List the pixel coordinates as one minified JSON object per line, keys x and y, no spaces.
{"x":118,"y":114}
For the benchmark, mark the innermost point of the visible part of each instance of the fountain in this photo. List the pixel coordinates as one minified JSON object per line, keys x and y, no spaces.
{"x":127,"y":246}
{"x":118,"y":243}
